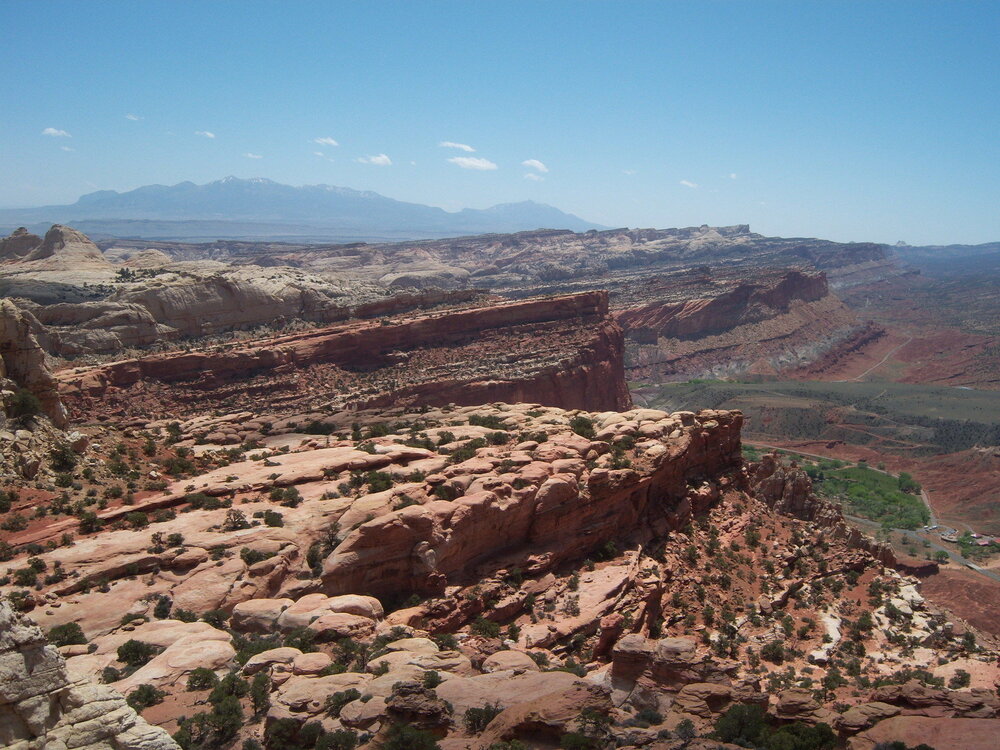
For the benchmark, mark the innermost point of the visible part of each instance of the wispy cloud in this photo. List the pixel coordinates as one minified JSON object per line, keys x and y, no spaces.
{"x":206,"y":133}
{"x":56,"y":133}
{"x":533,"y":177}
{"x":689,"y":184}
{"x":380,"y":160}
{"x":628,"y":171}
{"x":460,"y":146}
{"x":133,"y":118}
{"x":318,"y":153}
{"x":534,"y":164}
{"x":472,"y":162}
{"x":325,"y":141}
{"x":67,"y":148}
{"x":253,"y":156}
{"x":732,"y":175}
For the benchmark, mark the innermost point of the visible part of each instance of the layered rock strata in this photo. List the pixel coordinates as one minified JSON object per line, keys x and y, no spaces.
{"x":562,"y":351}
{"x":43,"y":708}
{"x":716,"y":325}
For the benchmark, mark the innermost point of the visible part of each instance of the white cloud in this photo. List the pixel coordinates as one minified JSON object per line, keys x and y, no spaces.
{"x":472,"y":162}
{"x":206,"y":133}
{"x":325,"y":141}
{"x":253,"y":156}
{"x":459,"y":146}
{"x":732,"y":175}
{"x":688,"y":183}
{"x":533,"y":176}
{"x":628,"y":171}
{"x":534,"y":164}
{"x":56,"y":133}
{"x":66,"y":148}
{"x":318,"y":153}
{"x":134,"y":118}
{"x":381,"y":160}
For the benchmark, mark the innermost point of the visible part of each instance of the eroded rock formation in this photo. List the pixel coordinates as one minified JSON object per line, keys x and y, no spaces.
{"x":42,"y":707}
{"x":562,"y":351}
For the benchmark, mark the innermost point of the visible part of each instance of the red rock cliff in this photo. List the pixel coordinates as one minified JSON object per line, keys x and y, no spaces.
{"x":561,"y":351}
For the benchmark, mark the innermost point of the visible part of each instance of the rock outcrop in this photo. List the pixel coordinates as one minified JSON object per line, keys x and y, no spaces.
{"x":22,"y":360}
{"x":567,"y":515}
{"x":788,"y":490}
{"x":41,"y":707}
{"x":716,"y":324}
{"x":561,"y":351}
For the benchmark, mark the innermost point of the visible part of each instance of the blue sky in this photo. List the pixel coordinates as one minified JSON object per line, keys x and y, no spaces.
{"x":847,"y":120}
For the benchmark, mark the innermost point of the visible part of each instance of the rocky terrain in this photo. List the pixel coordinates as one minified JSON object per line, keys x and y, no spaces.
{"x":480,"y":575}
{"x":419,"y":510}
{"x":725,"y":325}
{"x":41,"y":705}
{"x":561,"y":351}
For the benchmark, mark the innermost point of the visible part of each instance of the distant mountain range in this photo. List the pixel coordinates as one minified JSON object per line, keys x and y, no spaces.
{"x":259,"y":208}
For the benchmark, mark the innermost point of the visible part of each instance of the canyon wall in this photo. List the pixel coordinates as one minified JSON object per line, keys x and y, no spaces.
{"x":731,"y":327}
{"x":576,"y":362}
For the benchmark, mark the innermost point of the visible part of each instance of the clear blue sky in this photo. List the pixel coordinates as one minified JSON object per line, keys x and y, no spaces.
{"x":847,"y":120}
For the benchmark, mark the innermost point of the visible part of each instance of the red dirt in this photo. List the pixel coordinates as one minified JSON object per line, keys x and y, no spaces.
{"x":964,"y":593}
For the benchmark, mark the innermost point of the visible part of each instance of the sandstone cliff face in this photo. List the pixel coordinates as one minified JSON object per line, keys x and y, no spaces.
{"x":22,"y":360}
{"x":561,"y":351}
{"x":725,"y":327}
{"x":42,"y":708}
{"x":427,"y":547}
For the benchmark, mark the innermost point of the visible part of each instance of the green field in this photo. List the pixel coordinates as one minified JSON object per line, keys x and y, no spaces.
{"x":896,"y":417}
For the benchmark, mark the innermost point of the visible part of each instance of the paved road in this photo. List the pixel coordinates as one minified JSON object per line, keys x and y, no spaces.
{"x":916,"y":539}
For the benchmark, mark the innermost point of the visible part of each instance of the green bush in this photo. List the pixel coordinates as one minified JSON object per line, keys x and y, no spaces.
{"x":136,"y":653}
{"x":583,"y":426}
{"x":25,"y":405}
{"x":334,"y":703}
{"x":202,"y":678}
{"x":477,"y":719}
{"x":486,"y":628}
{"x":145,"y":696}
{"x":405,"y":737}
{"x":69,"y":634}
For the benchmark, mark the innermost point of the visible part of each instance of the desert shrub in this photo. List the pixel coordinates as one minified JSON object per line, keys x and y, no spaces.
{"x":405,"y":737}
{"x":162,"y":609}
{"x":69,"y":634}
{"x":110,"y":674}
{"x":202,"y":678}
{"x":583,"y":426}
{"x":25,"y":405}
{"x":961,"y":679}
{"x":144,"y":696}
{"x":650,"y":716}
{"x":486,"y":628}
{"x":334,"y":703}
{"x":260,"y":693}
{"x":136,"y":653}
{"x":273,"y":518}
{"x":431,"y":679}
{"x":476,"y":719}
{"x":62,"y":458}
{"x":773,"y":652}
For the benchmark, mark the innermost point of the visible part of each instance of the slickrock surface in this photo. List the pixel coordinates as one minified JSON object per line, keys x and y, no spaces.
{"x":42,"y":708}
{"x":562,"y":351}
